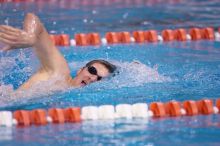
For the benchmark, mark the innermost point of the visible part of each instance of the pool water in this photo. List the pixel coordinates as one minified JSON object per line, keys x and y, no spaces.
{"x":147,"y":72}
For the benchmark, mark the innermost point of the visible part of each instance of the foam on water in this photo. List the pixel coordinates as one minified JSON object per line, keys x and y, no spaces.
{"x":135,"y":73}
{"x":44,"y":88}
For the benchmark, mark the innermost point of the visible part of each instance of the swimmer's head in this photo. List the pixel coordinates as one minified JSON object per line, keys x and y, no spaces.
{"x":93,"y":71}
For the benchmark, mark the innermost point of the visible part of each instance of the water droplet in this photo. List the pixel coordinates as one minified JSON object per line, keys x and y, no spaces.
{"x":94,"y":12}
{"x":7,"y":21}
{"x":125,"y":16}
{"x":145,"y":23}
{"x":85,"y":20}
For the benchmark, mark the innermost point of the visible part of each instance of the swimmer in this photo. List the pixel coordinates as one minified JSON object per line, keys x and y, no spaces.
{"x":52,"y":63}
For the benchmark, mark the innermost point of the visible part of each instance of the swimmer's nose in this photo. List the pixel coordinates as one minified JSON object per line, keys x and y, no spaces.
{"x":93,"y":78}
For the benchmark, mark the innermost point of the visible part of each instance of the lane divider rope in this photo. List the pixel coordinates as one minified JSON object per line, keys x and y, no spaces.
{"x":109,"y":112}
{"x":94,"y":39}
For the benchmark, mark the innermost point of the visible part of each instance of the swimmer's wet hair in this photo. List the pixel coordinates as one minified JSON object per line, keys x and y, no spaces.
{"x":111,"y":67}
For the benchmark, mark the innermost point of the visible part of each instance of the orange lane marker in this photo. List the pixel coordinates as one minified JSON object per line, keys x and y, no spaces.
{"x":112,"y":37}
{"x":180,"y":34}
{"x":64,"y":40}
{"x":124,"y":37}
{"x":151,"y":36}
{"x":158,"y":109}
{"x":190,"y":107}
{"x":139,"y":36}
{"x":38,"y":117}
{"x":208,"y":33}
{"x":57,"y":115}
{"x":93,"y":39}
{"x":173,"y":108}
{"x":22,"y":117}
{"x":195,"y":33}
{"x":205,"y":106}
{"x":81,"y":39}
{"x":168,"y":35}
{"x":72,"y":114}
{"x":218,"y":104}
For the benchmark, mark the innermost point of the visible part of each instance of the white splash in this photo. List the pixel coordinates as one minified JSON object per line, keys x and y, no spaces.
{"x":136,"y":73}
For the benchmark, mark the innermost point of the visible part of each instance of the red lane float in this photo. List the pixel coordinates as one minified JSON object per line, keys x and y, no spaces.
{"x":72,"y":114}
{"x":57,"y":115}
{"x":64,"y":40}
{"x":168,"y":35}
{"x":218,"y":104}
{"x":180,"y":34}
{"x":93,"y":39}
{"x":173,"y":108}
{"x":205,"y":106}
{"x":112,"y":37}
{"x":60,"y":40}
{"x":124,"y":37}
{"x":191,"y":107}
{"x":151,"y":36}
{"x":81,"y":39}
{"x":208,"y":33}
{"x":38,"y":117}
{"x":139,"y":36}
{"x":22,"y":117}
{"x":158,"y":109}
{"x":195,"y":34}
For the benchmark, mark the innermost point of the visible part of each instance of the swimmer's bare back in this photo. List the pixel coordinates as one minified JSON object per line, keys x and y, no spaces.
{"x":35,"y":35}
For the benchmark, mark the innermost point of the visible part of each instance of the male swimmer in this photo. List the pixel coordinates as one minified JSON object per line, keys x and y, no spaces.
{"x":53,"y":65}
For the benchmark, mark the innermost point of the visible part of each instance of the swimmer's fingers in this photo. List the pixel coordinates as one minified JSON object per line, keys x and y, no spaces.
{"x":23,"y":40}
{"x":8,"y":37}
{"x":6,"y":41}
{"x":9,"y":33}
{"x":16,"y":38}
{"x":11,"y":44}
{"x":10,"y":30}
{"x":6,"y":48}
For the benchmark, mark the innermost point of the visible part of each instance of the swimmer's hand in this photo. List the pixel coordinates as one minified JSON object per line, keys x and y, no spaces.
{"x":15,"y":38}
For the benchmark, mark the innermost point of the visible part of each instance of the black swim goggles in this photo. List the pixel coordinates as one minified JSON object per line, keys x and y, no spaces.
{"x":92,"y":70}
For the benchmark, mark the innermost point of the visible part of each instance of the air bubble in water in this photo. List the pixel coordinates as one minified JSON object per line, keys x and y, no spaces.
{"x":85,"y":20}
{"x":125,"y":16}
{"x":7,"y":21}
{"x":94,"y":12}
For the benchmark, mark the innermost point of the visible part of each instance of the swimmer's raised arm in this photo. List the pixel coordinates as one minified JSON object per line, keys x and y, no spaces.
{"x":35,"y":35}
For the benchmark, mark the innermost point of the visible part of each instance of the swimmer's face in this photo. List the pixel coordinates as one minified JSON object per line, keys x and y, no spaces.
{"x":90,"y":74}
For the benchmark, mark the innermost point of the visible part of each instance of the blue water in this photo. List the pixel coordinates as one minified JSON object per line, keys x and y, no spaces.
{"x":166,"y":71}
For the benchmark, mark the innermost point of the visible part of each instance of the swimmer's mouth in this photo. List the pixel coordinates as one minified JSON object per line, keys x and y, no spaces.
{"x":83,"y":83}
